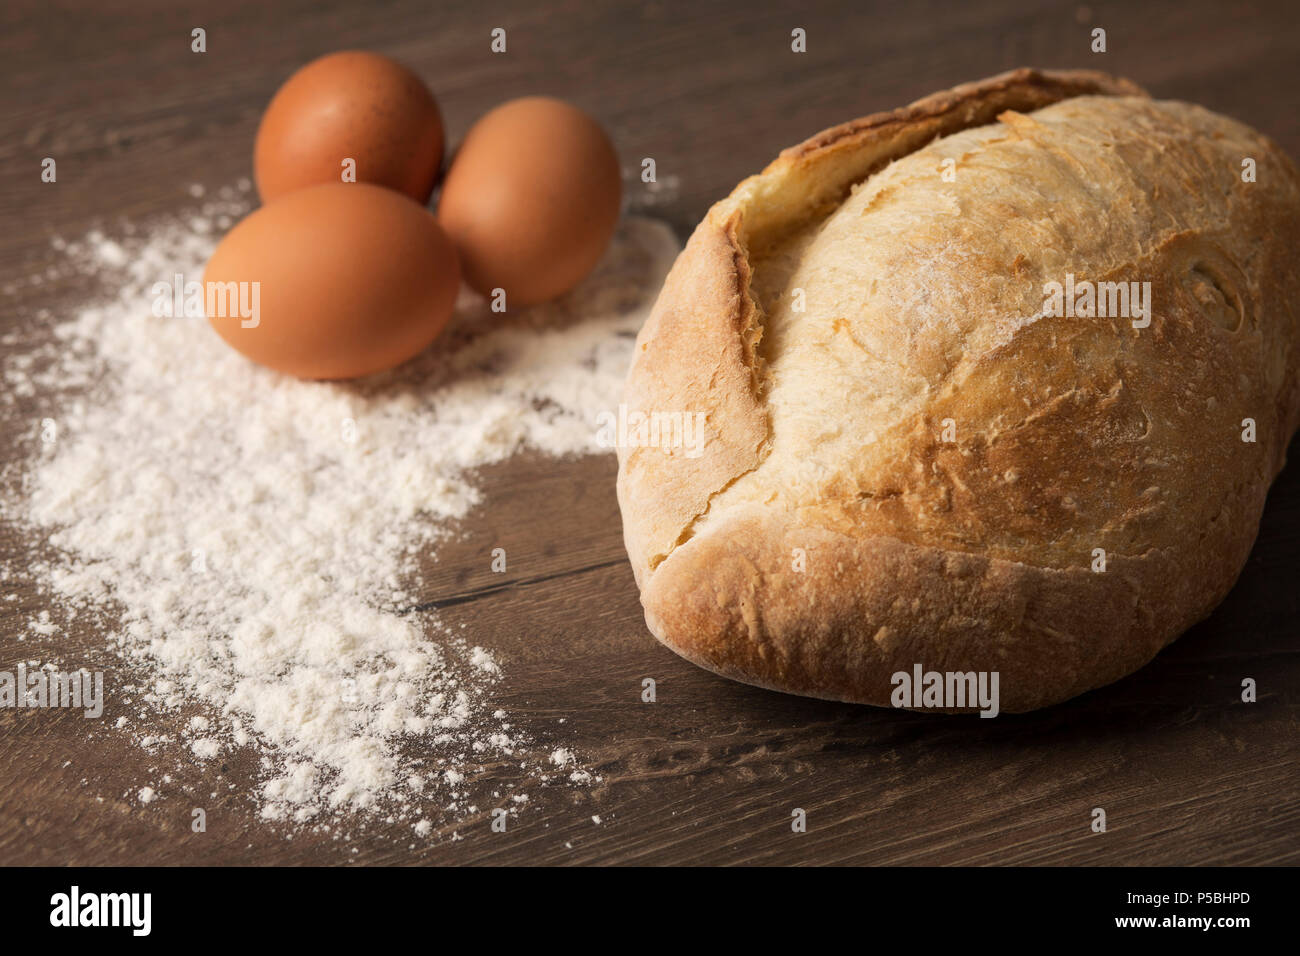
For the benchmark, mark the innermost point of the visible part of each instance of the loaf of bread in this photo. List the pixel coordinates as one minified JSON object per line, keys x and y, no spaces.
{"x":993,"y":383}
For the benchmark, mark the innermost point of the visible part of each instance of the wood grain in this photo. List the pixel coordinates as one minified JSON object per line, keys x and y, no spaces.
{"x":710,"y":772}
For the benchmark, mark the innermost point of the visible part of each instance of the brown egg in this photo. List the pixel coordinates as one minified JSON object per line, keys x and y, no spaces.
{"x":531,"y":199}
{"x":350,"y":106}
{"x":333,"y":282}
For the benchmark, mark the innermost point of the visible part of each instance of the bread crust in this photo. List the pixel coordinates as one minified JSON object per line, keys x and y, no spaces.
{"x":916,"y":552}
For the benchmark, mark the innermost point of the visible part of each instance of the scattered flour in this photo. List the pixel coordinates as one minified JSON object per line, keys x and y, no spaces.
{"x":249,"y":543}
{"x":205,"y":747}
{"x":483,"y":661}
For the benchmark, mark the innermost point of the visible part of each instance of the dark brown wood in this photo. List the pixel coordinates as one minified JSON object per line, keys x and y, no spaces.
{"x":708,"y":774}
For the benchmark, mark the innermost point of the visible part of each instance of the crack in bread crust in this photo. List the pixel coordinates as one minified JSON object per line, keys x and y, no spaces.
{"x":825,"y":426}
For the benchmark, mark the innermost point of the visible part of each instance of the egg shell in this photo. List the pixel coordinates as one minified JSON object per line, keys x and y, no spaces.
{"x":532,"y":199}
{"x":352,"y":279}
{"x":350,"y":105}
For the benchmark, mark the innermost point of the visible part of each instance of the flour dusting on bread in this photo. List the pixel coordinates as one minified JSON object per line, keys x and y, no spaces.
{"x":937,"y":449}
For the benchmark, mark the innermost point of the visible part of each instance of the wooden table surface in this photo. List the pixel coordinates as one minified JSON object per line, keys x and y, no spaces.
{"x":709,"y":774}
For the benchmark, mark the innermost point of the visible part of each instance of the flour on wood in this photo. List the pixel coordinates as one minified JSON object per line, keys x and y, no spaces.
{"x":251,"y":542}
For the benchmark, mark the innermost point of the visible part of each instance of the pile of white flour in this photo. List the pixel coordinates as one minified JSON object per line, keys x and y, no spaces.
{"x":248,"y":543}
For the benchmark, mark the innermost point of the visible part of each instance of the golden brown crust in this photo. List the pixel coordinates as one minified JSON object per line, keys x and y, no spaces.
{"x":705,"y":307}
{"x":974,"y":553}
{"x":867,"y":608}
{"x":704,"y":329}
